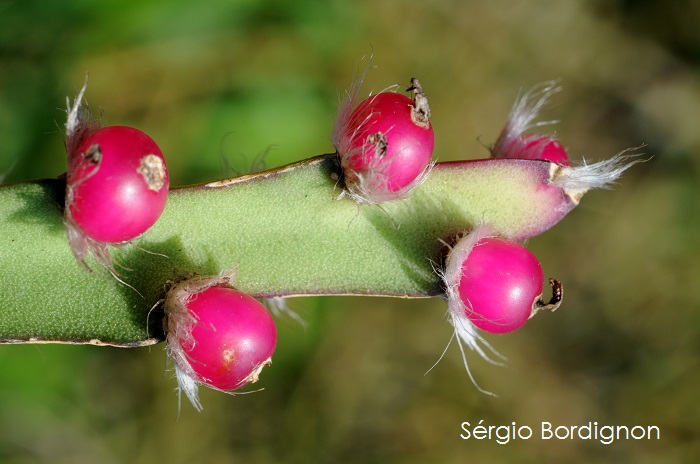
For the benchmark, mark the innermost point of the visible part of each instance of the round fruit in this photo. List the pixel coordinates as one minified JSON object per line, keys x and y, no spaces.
{"x":117,"y":184}
{"x":232,"y":337}
{"x":387,"y":142}
{"x":500,"y":284}
{"x":385,"y":145}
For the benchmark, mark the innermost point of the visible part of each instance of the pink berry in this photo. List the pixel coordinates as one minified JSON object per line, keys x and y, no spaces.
{"x":500,"y":285}
{"x":217,"y":336}
{"x":537,"y":147}
{"x":386,"y":145}
{"x":232,"y":338}
{"x":117,"y":184}
{"x":494,"y":285}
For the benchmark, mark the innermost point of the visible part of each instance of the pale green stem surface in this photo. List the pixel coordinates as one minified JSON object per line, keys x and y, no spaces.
{"x":285,"y":231}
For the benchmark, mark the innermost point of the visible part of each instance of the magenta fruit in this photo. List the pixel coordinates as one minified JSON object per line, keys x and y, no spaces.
{"x":233,"y":337}
{"x":494,"y":285}
{"x":117,"y":184}
{"x":217,"y":336}
{"x":385,"y":145}
{"x":500,"y":284}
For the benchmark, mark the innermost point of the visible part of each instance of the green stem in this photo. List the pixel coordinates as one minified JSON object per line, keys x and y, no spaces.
{"x":285,"y":231}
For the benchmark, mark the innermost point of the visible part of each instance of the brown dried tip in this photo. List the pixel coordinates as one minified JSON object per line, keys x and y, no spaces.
{"x":420,"y":113}
{"x":554,"y":302}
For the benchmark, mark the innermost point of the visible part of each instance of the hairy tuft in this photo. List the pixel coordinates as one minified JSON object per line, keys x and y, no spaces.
{"x":179,"y":324}
{"x":523,"y":114}
{"x":465,"y":331}
{"x":602,"y":175}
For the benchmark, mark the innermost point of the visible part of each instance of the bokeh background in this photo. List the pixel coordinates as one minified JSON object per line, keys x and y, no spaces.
{"x":217,"y":84}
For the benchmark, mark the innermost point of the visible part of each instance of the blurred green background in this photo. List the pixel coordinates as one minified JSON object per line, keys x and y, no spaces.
{"x":218,"y":83}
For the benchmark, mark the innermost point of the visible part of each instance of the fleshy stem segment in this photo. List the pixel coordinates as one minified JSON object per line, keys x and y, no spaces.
{"x":285,"y":231}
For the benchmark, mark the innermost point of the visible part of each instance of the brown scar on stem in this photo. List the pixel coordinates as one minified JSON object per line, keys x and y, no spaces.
{"x":92,"y":341}
{"x":329,"y":158}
